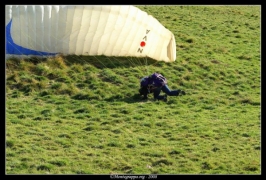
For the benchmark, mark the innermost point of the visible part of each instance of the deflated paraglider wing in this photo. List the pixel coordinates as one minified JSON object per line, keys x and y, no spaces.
{"x":46,"y":30}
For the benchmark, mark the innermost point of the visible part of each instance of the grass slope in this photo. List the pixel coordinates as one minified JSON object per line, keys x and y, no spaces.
{"x":81,"y":115}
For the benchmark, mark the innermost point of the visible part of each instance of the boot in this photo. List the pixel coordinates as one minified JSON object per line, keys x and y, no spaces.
{"x":181,"y":92}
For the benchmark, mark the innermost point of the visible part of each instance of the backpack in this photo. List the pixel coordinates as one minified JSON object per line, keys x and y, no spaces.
{"x":158,"y":79}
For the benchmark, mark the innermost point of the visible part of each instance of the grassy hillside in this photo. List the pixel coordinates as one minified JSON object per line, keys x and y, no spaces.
{"x":82,"y":115}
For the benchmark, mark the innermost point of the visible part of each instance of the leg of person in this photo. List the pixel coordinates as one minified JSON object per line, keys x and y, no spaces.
{"x":156,"y":94}
{"x":169,"y":92}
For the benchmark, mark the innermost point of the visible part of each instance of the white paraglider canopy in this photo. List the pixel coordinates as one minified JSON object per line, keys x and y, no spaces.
{"x":117,"y":30}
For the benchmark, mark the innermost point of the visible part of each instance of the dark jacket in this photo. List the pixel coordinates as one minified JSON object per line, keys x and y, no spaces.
{"x":148,"y":83}
{"x":155,"y":80}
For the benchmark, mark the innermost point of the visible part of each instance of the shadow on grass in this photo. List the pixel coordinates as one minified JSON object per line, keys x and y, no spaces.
{"x":109,"y":61}
{"x":99,"y":62}
{"x":136,"y":98}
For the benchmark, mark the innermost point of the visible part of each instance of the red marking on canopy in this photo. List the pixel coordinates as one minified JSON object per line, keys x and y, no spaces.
{"x":142,"y":44}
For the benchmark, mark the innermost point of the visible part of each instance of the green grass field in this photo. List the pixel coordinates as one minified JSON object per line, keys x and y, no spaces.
{"x":82,"y":115}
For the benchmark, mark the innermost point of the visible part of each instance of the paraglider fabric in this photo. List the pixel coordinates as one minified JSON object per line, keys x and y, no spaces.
{"x":116,"y":30}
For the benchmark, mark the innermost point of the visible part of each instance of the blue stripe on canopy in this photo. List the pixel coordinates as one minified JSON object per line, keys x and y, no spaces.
{"x":13,"y":48}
